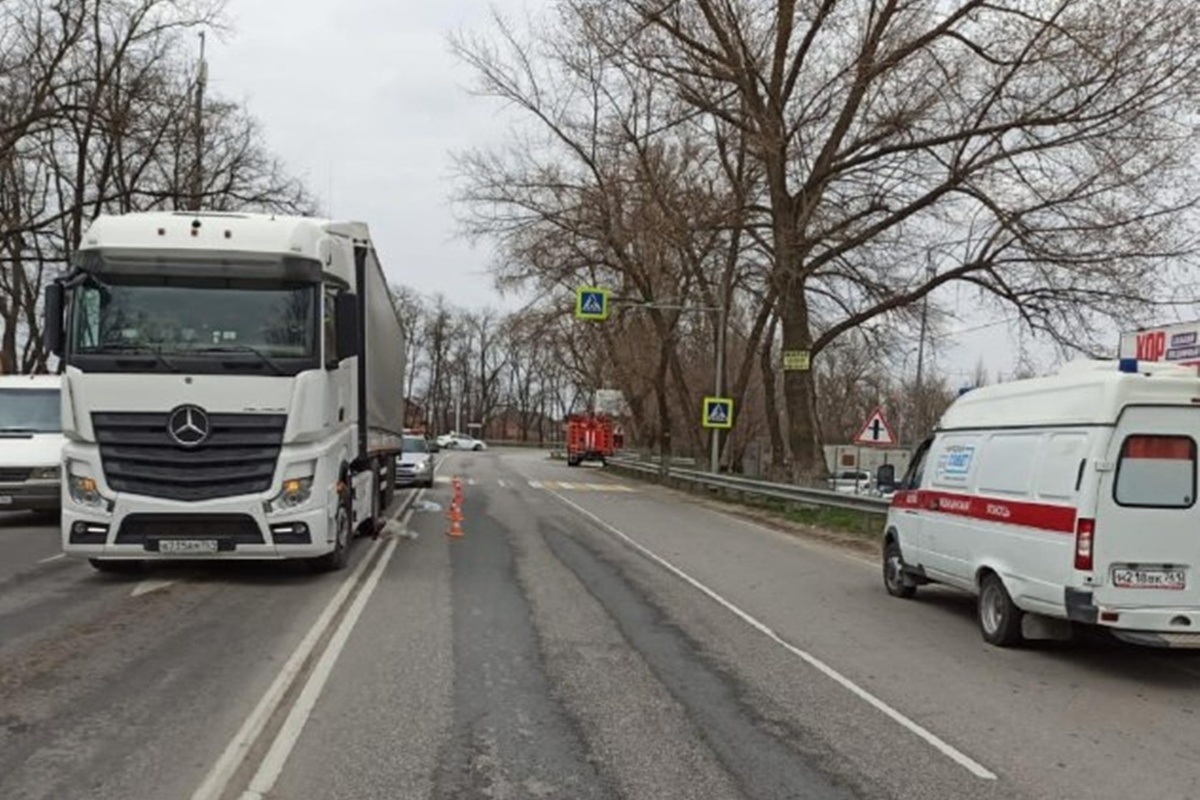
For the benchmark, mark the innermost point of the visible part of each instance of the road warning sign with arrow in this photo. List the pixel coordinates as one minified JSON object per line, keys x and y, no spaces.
{"x":876,"y":431}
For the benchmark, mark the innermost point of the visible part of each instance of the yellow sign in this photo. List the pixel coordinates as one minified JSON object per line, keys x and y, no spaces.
{"x":718,"y":412}
{"x":796,"y":360}
{"x":591,"y":302}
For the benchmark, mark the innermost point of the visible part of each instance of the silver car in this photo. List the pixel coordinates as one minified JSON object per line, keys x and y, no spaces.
{"x":414,"y":466}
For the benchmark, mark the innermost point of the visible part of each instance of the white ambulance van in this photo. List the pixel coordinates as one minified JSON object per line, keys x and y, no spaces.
{"x":1063,"y":499}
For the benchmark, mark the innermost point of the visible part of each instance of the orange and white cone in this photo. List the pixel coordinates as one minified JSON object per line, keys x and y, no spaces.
{"x":456,"y":517}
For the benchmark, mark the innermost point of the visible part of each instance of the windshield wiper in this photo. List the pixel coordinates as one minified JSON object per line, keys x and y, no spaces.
{"x":242,"y":348}
{"x":135,"y":349}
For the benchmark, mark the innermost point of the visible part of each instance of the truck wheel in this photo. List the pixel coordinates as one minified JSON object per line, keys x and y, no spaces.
{"x":893,"y":572}
{"x":340,"y":556}
{"x":999,"y":617}
{"x":116,"y":566}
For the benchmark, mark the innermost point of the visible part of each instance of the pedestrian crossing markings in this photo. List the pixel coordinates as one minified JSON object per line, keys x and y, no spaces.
{"x":583,"y":487}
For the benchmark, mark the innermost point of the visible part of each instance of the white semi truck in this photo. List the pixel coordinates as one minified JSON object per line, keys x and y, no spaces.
{"x":231,"y":388}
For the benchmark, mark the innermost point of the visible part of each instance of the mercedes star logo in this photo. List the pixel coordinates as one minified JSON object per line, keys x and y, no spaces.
{"x":188,"y":425}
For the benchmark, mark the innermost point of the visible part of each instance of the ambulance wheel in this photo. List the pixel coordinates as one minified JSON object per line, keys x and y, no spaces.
{"x":999,"y":617}
{"x":893,"y":572}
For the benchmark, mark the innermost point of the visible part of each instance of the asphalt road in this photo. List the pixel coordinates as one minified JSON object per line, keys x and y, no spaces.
{"x":587,"y":637}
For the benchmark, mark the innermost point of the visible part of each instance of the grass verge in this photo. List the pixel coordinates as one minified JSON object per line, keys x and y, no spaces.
{"x":864,"y":528}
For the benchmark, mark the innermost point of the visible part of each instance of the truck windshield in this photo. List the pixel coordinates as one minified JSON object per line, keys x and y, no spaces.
{"x":186,"y":316}
{"x":29,"y":411}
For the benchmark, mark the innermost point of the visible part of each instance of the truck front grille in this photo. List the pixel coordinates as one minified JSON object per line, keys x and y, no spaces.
{"x":238,"y":457}
{"x":229,"y":530}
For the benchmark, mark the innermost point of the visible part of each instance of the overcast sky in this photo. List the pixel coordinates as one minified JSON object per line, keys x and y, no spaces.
{"x":363,"y":99}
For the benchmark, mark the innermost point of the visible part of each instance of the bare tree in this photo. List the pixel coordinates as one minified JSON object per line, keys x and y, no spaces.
{"x":1041,"y":152}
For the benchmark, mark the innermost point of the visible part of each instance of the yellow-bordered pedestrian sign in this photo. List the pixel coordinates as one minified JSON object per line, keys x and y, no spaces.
{"x":718,"y":412}
{"x":591,"y":302}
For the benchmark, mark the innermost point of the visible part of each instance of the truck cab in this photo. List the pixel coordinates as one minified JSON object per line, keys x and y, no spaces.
{"x":229,"y":385}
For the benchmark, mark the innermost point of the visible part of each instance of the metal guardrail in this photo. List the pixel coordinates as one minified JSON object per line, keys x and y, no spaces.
{"x":780,"y":491}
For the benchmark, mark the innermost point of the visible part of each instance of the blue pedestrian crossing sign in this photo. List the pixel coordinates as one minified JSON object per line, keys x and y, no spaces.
{"x":591,"y":303}
{"x":718,"y":412}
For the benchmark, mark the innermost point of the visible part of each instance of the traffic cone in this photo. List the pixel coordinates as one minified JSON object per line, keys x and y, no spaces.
{"x":456,"y":517}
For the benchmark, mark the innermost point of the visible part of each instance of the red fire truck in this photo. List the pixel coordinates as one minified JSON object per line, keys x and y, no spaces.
{"x":590,"y":437}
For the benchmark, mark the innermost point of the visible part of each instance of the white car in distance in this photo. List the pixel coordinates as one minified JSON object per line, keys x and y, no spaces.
{"x":460,"y":441}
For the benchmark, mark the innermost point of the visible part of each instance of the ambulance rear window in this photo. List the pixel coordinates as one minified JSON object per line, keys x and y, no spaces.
{"x":1156,"y":472}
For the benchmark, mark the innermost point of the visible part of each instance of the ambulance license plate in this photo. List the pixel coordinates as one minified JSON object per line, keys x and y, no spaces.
{"x":187,"y":546}
{"x":1140,"y":578}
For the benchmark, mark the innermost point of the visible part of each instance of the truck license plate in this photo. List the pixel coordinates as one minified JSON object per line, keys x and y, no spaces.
{"x":1149,"y":578}
{"x":187,"y":546}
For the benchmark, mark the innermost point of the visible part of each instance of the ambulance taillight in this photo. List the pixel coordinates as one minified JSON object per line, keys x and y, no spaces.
{"x":1085,"y":530}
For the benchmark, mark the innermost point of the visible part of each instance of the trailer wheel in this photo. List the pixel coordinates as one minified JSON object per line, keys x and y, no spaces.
{"x":893,"y":572}
{"x":999,"y":617}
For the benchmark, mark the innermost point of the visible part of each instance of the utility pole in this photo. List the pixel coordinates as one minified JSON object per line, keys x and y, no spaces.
{"x":197,"y":187}
{"x":930,"y":271}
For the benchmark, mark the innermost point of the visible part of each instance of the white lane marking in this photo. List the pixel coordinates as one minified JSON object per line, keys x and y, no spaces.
{"x":535,"y":484}
{"x":54,"y":557}
{"x":272,"y":765}
{"x":503,"y":485}
{"x":216,"y":783}
{"x":145,"y":587}
{"x":217,"y":780}
{"x":939,"y":744}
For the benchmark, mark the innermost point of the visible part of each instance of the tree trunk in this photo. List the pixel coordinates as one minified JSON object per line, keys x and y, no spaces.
{"x":664,"y":409}
{"x":770,"y":394}
{"x":799,"y":388}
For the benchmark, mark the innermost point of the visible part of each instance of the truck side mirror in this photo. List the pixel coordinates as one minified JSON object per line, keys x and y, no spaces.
{"x":347,"y":325}
{"x":53,"y":325}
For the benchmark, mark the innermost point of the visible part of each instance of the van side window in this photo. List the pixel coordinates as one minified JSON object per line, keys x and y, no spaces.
{"x":1156,"y":471}
{"x":916,"y":469}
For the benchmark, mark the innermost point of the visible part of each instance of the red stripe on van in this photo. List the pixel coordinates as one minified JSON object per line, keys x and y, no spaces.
{"x":1041,"y":516}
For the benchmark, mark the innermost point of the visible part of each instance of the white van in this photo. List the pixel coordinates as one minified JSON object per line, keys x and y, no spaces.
{"x":1069,"y":498}
{"x":31,"y":443}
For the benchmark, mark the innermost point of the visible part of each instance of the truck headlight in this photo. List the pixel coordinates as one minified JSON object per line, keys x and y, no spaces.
{"x":422,"y":466}
{"x":85,"y":491}
{"x":46,"y":473}
{"x":295,"y":492}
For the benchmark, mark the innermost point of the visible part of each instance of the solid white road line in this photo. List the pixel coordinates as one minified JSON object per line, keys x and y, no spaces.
{"x":218,"y":778}
{"x":956,"y":755}
{"x":54,"y":557}
{"x":216,"y":783}
{"x":272,"y":765}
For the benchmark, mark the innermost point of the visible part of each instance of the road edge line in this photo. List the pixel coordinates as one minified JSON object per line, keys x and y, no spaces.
{"x":930,"y":738}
